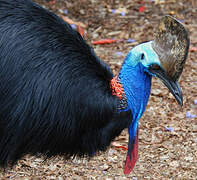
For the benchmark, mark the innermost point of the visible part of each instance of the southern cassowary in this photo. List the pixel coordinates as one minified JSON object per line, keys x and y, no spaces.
{"x":58,"y":98}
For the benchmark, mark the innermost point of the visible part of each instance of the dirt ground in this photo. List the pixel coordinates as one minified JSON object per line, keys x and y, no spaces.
{"x":168,"y":132}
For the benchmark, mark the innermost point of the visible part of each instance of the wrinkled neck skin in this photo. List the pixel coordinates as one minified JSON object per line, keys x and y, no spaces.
{"x":136,"y":84}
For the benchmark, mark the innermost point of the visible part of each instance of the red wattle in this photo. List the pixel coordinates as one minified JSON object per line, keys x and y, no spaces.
{"x":131,"y":157}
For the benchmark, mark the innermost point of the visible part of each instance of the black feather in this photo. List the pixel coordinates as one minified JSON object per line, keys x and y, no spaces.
{"x":55,"y":94}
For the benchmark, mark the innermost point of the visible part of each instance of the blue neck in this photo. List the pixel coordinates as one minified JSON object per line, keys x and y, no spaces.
{"x":137,"y":85}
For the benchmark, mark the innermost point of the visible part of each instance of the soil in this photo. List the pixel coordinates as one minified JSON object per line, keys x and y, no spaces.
{"x":168,"y":132}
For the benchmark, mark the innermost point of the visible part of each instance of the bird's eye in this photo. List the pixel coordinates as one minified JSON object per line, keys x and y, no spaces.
{"x":142,"y":56}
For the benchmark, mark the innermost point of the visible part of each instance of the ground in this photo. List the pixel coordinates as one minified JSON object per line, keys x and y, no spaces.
{"x":168,"y":132}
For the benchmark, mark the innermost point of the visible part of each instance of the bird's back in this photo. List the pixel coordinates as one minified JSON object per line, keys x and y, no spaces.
{"x":55,"y":94}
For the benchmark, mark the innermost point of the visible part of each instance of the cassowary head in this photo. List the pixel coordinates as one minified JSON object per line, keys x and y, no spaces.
{"x":164,"y":58}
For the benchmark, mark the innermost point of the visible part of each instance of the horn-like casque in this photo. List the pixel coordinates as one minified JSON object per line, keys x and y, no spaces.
{"x":171,"y":43}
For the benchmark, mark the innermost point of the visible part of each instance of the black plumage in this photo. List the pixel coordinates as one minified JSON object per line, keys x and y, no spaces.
{"x":55,"y":94}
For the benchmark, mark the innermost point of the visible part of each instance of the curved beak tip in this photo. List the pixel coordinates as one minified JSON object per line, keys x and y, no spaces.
{"x":177,"y":93}
{"x":180,"y":101}
{"x":175,"y":90}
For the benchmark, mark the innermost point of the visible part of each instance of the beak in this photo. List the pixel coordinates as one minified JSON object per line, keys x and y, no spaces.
{"x":172,"y":85}
{"x":171,"y":44}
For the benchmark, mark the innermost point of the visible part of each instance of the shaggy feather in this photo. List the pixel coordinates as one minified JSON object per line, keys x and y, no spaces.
{"x":55,"y":94}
